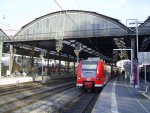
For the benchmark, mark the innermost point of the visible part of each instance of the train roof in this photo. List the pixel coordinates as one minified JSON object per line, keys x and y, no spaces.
{"x":93,"y":59}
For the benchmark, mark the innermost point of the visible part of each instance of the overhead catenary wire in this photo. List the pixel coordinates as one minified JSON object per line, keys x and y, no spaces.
{"x":58,"y":4}
{"x":72,"y":20}
{"x":78,"y":4}
{"x":76,"y":25}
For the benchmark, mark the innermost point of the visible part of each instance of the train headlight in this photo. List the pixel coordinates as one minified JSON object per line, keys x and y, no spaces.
{"x":79,"y":78}
{"x":97,"y":71}
{"x":98,"y":78}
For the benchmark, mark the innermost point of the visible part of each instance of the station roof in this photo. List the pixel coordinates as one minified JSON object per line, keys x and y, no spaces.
{"x":98,"y":34}
{"x":70,"y":24}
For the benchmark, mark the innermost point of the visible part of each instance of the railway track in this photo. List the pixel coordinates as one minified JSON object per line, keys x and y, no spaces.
{"x":82,"y":104}
{"x":31,"y":85}
{"x":35,"y":100}
{"x":51,"y":104}
{"x":27,"y":100}
{"x":21,"y":93}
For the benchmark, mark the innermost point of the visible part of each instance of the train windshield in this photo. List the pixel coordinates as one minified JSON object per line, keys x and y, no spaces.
{"x":89,"y":69}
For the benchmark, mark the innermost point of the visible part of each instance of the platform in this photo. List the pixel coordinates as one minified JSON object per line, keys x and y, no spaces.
{"x":21,"y":79}
{"x":118,"y":96}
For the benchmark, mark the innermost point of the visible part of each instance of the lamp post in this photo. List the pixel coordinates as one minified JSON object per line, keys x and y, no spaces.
{"x":136,"y":22}
{"x":59,"y":45}
{"x":137,"y":51}
{"x":137,"y":46}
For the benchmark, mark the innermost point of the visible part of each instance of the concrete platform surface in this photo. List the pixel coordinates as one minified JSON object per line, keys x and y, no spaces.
{"x":119,"y":97}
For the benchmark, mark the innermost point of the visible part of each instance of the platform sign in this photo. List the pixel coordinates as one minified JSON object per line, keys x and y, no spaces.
{"x":144,"y":58}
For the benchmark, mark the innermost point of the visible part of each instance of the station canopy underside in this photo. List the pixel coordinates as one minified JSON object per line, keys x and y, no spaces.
{"x":97,"y":34}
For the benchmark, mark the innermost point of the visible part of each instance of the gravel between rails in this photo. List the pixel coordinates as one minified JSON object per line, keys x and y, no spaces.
{"x":17,"y":104}
{"x":52,"y":104}
{"x":15,"y":96}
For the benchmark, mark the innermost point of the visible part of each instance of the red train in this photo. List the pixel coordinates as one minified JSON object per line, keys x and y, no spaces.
{"x":92,"y":74}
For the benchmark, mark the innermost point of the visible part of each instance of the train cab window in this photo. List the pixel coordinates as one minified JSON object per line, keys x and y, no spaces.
{"x":89,"y":69}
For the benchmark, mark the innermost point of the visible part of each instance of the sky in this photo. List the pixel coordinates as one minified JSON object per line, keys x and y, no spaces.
{"x":16,"y":13}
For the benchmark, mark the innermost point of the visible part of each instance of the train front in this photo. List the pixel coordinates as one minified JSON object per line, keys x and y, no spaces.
{"x":88,"y":74}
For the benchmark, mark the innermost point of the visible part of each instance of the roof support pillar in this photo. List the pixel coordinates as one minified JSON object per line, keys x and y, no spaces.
{"x":22,"y":61}
{"x":48,"y":63}
{"x":32,"y":60}
{"x":1,"y":51}
{"x":32,"y":56}
{"x":22,"y":65}
{"x":59,"y":63}
{"x":68,"y":65}
{"x":133,"y":57}
{"x":11,"y":59}
{"x":133,"y":46}
{"x":12,"y":56}
{"x":74,"y":67}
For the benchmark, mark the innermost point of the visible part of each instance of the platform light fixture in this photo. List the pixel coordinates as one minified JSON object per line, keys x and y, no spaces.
{"x":77,"y":50}
{"x":59,"y":45}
